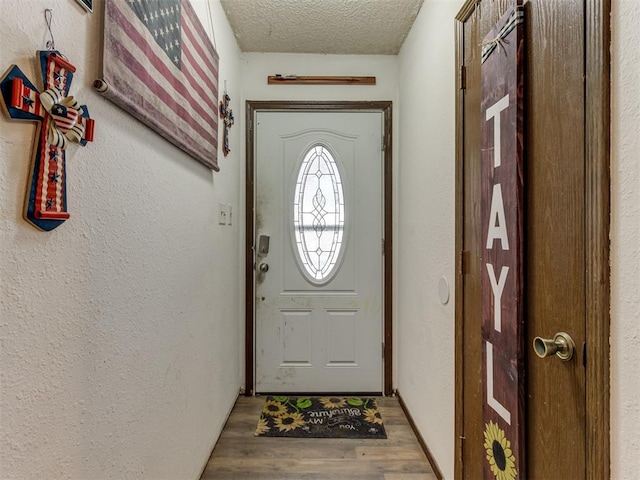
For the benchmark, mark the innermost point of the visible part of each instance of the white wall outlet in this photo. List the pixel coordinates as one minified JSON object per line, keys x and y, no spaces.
{"x":222,"y":213}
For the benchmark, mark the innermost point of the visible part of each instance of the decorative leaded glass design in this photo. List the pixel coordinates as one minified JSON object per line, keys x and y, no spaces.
{"x":318,"y":214}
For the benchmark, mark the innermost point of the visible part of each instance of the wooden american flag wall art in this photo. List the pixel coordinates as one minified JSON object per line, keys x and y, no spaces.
{"x":160,"y":66}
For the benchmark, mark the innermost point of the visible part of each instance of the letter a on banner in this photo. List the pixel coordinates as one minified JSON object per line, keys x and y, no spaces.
{"x":501,"y":174}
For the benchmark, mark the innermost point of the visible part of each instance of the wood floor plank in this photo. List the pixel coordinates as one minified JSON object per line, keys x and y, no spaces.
{"x":410,"y":476}
{"x":295,"y":476}
{"x":329,"y":467}
{"x":280,"y":450}
{"x":390,"y":453}
{"x":239,"y":455}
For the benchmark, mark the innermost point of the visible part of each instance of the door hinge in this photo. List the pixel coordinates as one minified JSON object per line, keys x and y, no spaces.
{"x":250,"y":124}
{"x":461,"y":449}
{"x":465,"y":256}
{"x":463,"y":77}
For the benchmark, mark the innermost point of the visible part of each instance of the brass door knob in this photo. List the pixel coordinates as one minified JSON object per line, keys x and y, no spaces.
{"x":561,"y":345}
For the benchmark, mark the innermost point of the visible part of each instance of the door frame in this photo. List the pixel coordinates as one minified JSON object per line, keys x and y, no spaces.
{"x":385,"y":107}
{"x":597,"y":224}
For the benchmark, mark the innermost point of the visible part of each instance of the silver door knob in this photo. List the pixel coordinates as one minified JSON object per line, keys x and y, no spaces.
{"x":263,"y":267}
{"x":561,"y":345}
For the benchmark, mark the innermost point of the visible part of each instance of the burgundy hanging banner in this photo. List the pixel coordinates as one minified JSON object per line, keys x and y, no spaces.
{"x":502,"y":275}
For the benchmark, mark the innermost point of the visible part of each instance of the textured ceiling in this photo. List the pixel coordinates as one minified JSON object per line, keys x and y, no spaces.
{"x":368,"y":27}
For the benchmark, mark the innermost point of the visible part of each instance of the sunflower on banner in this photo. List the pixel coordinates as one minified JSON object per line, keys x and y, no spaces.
{"x":499,"y":454}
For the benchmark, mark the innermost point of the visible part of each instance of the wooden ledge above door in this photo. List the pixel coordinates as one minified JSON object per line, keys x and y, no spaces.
{"x":321,"y":80}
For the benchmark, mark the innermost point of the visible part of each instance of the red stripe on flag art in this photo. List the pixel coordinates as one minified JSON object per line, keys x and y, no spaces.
{"x":160,"y":66}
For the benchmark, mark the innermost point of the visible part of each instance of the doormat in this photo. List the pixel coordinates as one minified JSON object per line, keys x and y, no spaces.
{"x":320,"y":417}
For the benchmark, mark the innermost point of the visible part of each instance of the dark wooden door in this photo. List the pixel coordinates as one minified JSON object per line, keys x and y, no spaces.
{"x":554,"y":236}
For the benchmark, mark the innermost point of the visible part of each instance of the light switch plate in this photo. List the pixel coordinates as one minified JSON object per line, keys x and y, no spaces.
{"x":222,"y":213}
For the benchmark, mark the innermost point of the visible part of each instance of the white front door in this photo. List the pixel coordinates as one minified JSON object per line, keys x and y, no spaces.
{"x":319,"y":265}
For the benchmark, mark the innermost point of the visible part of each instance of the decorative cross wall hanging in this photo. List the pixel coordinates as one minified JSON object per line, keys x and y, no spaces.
{"x":227,"y":115}
{"x":60,"y":120}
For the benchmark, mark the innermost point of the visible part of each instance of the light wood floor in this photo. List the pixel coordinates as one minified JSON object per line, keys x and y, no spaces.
{"x":239,"y":455}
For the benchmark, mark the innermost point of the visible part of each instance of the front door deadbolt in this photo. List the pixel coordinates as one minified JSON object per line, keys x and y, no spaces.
{"x":263,"y":245}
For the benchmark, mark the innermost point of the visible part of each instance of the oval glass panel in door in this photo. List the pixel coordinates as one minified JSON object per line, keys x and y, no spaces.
{"x":319,"y":215}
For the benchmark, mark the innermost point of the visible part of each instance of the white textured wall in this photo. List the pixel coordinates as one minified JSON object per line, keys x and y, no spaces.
{"x":426,"y":233}
{"x":255,"y":67}
{"x":625,"y":241}
{"x":119,"y":329}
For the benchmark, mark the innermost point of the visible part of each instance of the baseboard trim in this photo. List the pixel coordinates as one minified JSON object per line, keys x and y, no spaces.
{"x":432,"y":461}
{"x":204,"y":467}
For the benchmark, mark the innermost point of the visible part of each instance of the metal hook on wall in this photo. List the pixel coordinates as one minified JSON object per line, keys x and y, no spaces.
{"x":48,"y":17}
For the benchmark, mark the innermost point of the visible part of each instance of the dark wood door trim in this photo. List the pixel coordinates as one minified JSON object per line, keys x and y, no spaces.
{"x":463,"y":15}
{"x":597,"y":224}
{"x":386,"y":108}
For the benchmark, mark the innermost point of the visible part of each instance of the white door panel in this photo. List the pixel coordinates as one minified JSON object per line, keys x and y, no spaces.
{"x":314,"y":334}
